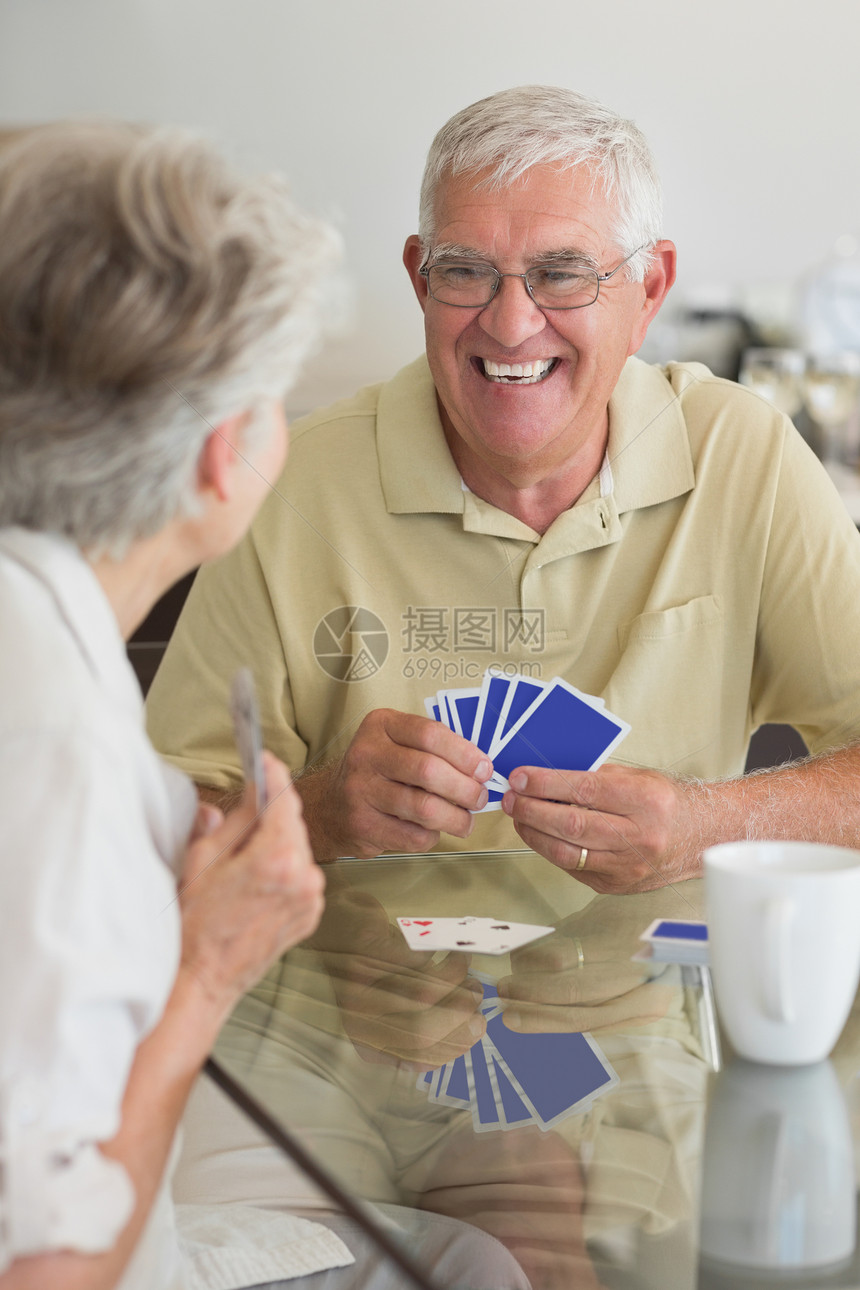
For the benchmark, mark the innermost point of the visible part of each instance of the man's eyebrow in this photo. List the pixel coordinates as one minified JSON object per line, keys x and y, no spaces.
{"x":568,"y":254}
{"x":454,"y":251}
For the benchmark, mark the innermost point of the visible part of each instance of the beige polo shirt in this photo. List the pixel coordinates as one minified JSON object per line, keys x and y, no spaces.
{"x":706,"y":583}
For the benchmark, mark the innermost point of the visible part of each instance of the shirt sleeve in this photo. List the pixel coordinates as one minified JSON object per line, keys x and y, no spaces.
{"x":227,"y":622}
{"x":88,"y":953}
{"x":807,"y":665}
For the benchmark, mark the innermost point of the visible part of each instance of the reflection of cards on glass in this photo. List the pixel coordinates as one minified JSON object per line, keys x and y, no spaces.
{"x":247,"y":733}
{"x":554,"y":1075}
{"x":519,"y":721}
{"x":470,"y":935}
{"x":675,"y":940}
{"x":508,"y":1079}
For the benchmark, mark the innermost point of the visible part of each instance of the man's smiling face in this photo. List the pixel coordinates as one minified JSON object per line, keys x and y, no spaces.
{"x":523,"y":391}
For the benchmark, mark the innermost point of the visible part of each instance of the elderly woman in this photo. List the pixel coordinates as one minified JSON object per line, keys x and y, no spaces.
{"x":153,"y":310}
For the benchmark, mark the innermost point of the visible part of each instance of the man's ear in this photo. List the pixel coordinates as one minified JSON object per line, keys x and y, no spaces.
{"x":413,"y":258}
{"x":657,"y":283}
{"x":219,"y":457}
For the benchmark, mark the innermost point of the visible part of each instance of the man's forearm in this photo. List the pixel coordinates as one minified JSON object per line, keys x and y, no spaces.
{"x":817,"y":799}
{"x":315,"y":787}
{"x":630,"y":829}
{"x":226,"y":799}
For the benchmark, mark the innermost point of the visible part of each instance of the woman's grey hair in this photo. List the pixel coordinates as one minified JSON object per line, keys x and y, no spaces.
{"x":508,"y":133}
{"x":147,"y":294}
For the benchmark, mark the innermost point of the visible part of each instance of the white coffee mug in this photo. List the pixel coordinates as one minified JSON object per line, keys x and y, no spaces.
{"x":778,"y":1178}
{"x":784,"y":945}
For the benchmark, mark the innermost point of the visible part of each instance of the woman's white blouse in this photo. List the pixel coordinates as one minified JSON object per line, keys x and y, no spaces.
{"x":92,"y":824}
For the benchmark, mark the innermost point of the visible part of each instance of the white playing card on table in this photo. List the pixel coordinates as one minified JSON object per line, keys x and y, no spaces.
{"x":470,"y":935}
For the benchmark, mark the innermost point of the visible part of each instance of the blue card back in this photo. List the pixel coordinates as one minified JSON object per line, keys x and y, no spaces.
{"x":489,"y":709}
{"x":523,"y":694}
{"x":467,"y":708}
{"x":669,"y":929}
{"x":485,"y":1113}
{"x":560,"y":731}
{"x":514,"y":1108}
{"x":555,"y":1071}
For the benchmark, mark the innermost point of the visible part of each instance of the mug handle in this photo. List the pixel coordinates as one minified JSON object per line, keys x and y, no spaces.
{"x":776,"y":958}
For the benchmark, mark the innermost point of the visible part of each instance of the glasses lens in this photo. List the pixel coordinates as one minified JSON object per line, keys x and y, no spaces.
{"x":563,"y":286}
{"x":462,"y":284}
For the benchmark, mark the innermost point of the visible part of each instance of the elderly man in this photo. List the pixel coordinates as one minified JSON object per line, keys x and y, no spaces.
{"x":531,"y":494}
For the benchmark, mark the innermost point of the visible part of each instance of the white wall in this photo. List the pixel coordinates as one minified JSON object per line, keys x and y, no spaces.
{"x":752,"y":107}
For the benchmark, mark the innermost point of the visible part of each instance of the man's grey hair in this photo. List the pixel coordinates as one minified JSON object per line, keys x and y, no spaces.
{"x":147,"y":294}
{"x":504,"y":135}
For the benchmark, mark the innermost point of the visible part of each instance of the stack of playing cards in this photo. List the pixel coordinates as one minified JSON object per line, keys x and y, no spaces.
{"x":674,"y":940}
{"x":509,"y":1080}
{"x":518,"y":721}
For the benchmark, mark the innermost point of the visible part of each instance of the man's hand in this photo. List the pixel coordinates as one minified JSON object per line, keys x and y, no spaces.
{"x":635,"y":824}
{"x":643,"y":830}
{"x":403,"y":782}
{"x":249,"y":890}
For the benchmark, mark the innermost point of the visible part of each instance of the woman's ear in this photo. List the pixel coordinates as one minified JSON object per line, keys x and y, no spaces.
{"x":219,"y":457}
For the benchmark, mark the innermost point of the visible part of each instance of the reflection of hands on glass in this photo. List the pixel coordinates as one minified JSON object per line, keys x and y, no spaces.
{"x":526,"y":1189}
{"x":582,"y":978}
{"x":396,"y":1006}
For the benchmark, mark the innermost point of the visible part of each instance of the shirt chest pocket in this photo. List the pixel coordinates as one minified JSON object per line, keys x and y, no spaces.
{"x":668,"y":685}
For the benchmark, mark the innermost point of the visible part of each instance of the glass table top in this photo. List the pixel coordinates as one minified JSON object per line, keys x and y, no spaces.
{"x":560,"y":1116}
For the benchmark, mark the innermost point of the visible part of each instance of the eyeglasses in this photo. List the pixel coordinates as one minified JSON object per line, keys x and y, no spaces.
{"x":561,"y":284}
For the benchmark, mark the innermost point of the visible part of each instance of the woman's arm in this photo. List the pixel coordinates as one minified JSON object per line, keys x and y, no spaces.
{"x":249,"y":891}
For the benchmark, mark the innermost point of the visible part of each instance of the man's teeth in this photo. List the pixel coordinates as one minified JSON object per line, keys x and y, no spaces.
{"x":520,"y":373}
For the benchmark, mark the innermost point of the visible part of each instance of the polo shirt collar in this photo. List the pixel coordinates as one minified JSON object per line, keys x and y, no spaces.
{"x":417,"y":470}
{"x":649,"y":447}
{"x":648,"y":455}
{"x":82,"y":604}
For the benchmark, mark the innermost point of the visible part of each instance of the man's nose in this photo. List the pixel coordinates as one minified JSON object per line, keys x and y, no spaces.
{"x":512,"y":317}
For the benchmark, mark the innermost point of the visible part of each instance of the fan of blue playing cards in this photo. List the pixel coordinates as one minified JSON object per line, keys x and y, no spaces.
{"x":509,"y":1080}
{"x":519,"y":721}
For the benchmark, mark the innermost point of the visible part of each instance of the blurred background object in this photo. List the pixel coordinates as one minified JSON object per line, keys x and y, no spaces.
{"x":776,"y":375}
{"x":831,"y":394}
{"x":757,"y":139}
{"x":830,"y":299}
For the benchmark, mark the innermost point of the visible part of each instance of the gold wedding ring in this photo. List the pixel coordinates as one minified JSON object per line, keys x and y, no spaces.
{"x":580,"y":956}
{"x":581,"y":862}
